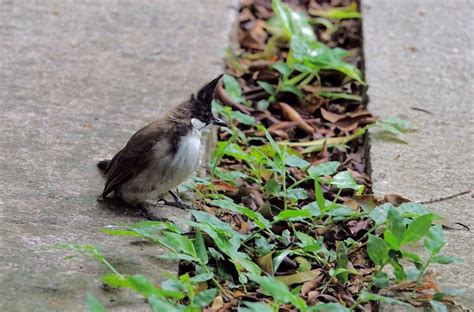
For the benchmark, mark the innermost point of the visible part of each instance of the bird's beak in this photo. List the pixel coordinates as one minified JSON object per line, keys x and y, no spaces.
{"x":220,"y":122}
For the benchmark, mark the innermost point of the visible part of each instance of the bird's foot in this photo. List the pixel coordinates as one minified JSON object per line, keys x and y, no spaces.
{"x":178,"y":203}
{"x":147,"y":214}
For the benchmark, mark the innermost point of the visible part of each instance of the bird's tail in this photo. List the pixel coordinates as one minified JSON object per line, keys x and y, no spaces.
{"x":103,"y":164}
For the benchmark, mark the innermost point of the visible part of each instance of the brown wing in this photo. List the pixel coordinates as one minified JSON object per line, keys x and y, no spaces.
{"x":134,"y":157}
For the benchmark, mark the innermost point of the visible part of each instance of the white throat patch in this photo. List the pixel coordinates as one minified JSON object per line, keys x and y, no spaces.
{"x":198,"y":125}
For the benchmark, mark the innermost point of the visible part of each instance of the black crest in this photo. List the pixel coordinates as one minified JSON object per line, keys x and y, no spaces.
{"x":206,"y":93}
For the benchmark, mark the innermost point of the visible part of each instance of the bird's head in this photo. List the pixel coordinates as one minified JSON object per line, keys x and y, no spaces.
{"x":201,"y":111}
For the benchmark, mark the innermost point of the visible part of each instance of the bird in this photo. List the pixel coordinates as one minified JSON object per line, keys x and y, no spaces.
{"x":161,"y":155}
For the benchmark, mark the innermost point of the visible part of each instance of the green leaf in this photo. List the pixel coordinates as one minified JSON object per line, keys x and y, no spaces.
{"x":262,"y":105}
{"x":377,"y":250}
{"x":200,"y":247}
{"x":296,"y":193}
{"x":312,"y":208}
{"x":255,"y":307}
{"x":308,"y":243}
{"x":232,"y":87}
{"x":434,"y":240}
{"x":205,"y":297}
{"x":295,"y":161}
{"x":119,"y":232}
{"x":242,"y":118}
{"x":293,"y":23}
{"x":366,"y":296}
{"x":324,"y":169}
{"x":413,"y":210}
{"x":292,"y":89}
{"x":292,"y":214}
{"x":180,"y":243}
{"x":342,"y":261}
{"x":160,"y":305}
{"x":90,"y":250}
{"x":93,"y":304}
{"x":401,"y":125}
{"x":381,"y":280}
{"x":379,"y":214}
{"x":395,"y":223}
{"x":398,"y":271}
{"x":272,"y":187}
{"x":417,"y":229}
{"x":140,"y":284}
{"x":438,"y":306}
{"x":282,"y":68}
{"x":340,"y":95}
{"x":445,"y":259}
{"x":344,"y":180}
{"x":390,"y":239}
{"x":328,"y":307}
{"x":233,"y":150}
{"x":279,"y":291}
{"x":269,"y":88}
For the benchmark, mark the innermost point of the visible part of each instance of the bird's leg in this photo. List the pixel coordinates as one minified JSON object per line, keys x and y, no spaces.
{"x":178,"y":203}
{"x":147,"y":214}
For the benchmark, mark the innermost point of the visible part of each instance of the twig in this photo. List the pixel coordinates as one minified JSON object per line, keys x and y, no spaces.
{"x":435,"y":200}
{"x":222,"y":95}
{"x":421,"y":110}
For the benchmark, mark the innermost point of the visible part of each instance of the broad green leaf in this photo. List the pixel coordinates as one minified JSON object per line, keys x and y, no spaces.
{"x":255,"y":307}
{"x":279,"y":291}
{"x":308,"y":243}
{"x":180,"y":243}
{"x":344,"y":180}
{"x":312,"y":208}
{"x":269,"y":88}
{"x":445,"y":259}
{"x":292,"y":89}
{"x":381,"y":280}
{"x":119,"y":232}
{"x":262,"y":105}
{"x":391,"y":240}
{"x":395,"y":223}
{"x":377,"y":250}
{"x":398,"y":271}
{"x":243,"y":118}
{"x":366,"y":296}
{"x":293,"y":23}
{"x":178,"y":256}
{"x":141,"y":284}
{"x":296,"y":193}
{"x":200,"y":247}
{"x":410,"y":210}
{"x":349,"y":11}
{"x":434,"y":240}
{"x":291,"y":214}
{"x":272,"y":187}
{"x":417,"y":229}
{"x":295,"y":161}
{"x":324,"y":169}
{"x":282,"y":68}
{"x":205,"y":297}
{"x":401,"y":125}
{"x":438,"y":306}
{"x":233,"y":150}
{"x":201,"y":277}
{"x":228,"y":203}
{"x":379,"y":214}
{"x":90,"y":250}
{"x":328,"y":307}
{"x":160,"y":305}
{"x":232,"y":87}
{"x":94,"y":305}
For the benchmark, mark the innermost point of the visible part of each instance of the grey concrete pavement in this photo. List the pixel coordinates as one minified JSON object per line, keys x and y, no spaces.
{"x":76,"y":80}
{"x":420,"y":53}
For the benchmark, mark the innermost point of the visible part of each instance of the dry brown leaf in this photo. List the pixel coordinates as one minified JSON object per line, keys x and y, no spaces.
{"x":291,"y":114}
